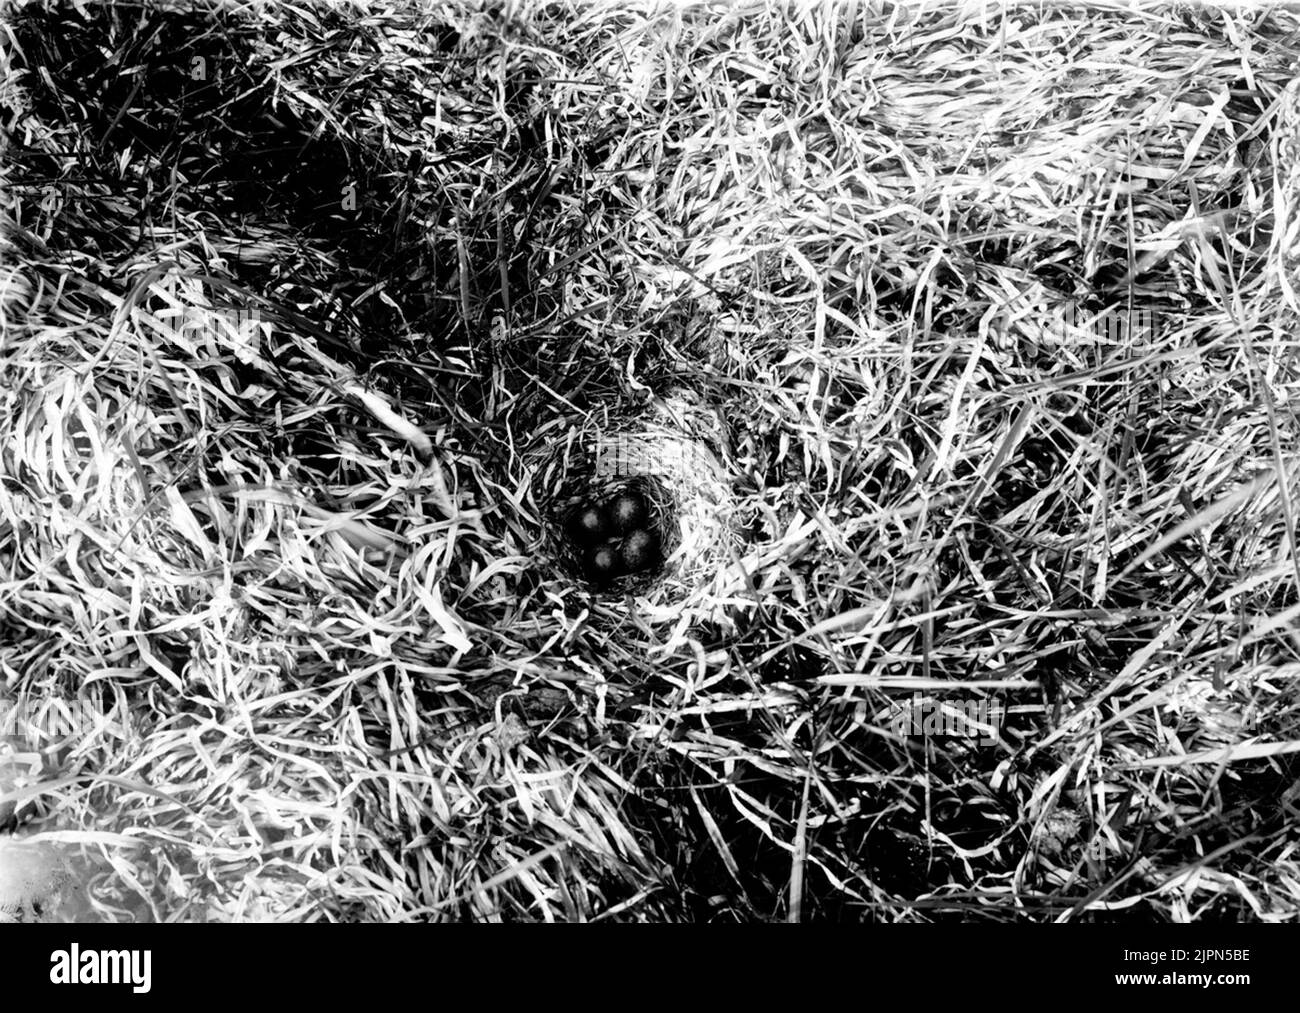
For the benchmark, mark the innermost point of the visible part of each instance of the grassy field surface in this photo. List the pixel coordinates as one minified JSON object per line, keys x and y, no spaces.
{"x":958,"y":342}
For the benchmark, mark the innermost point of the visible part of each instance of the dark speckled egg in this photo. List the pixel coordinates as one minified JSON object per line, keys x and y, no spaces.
{"x":603,"y":563}
{"x":628,"y":511}
{"x":589,"y":524}
{"x":639,"y":551}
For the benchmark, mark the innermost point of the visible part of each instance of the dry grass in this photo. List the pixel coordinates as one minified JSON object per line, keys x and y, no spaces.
{"x":271,"y":547}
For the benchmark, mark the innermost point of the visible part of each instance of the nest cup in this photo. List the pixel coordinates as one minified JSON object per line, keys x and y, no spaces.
{"x":670,"y":452}
{"x":662,"y":511}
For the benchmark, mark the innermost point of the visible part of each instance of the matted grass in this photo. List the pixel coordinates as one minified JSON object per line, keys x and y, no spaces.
{"x":996,"y":307}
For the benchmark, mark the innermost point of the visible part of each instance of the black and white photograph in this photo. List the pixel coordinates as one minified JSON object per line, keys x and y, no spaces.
{"x":667,"y":463}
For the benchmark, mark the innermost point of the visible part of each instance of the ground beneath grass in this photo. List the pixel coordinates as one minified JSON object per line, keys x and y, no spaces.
{"x":986,"y":317}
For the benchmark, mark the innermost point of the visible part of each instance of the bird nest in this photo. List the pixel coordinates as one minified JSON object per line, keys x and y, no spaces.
{"x":672,"y":453}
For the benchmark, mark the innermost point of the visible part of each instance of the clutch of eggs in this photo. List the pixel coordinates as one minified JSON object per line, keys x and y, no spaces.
{"x":615,"y":537}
